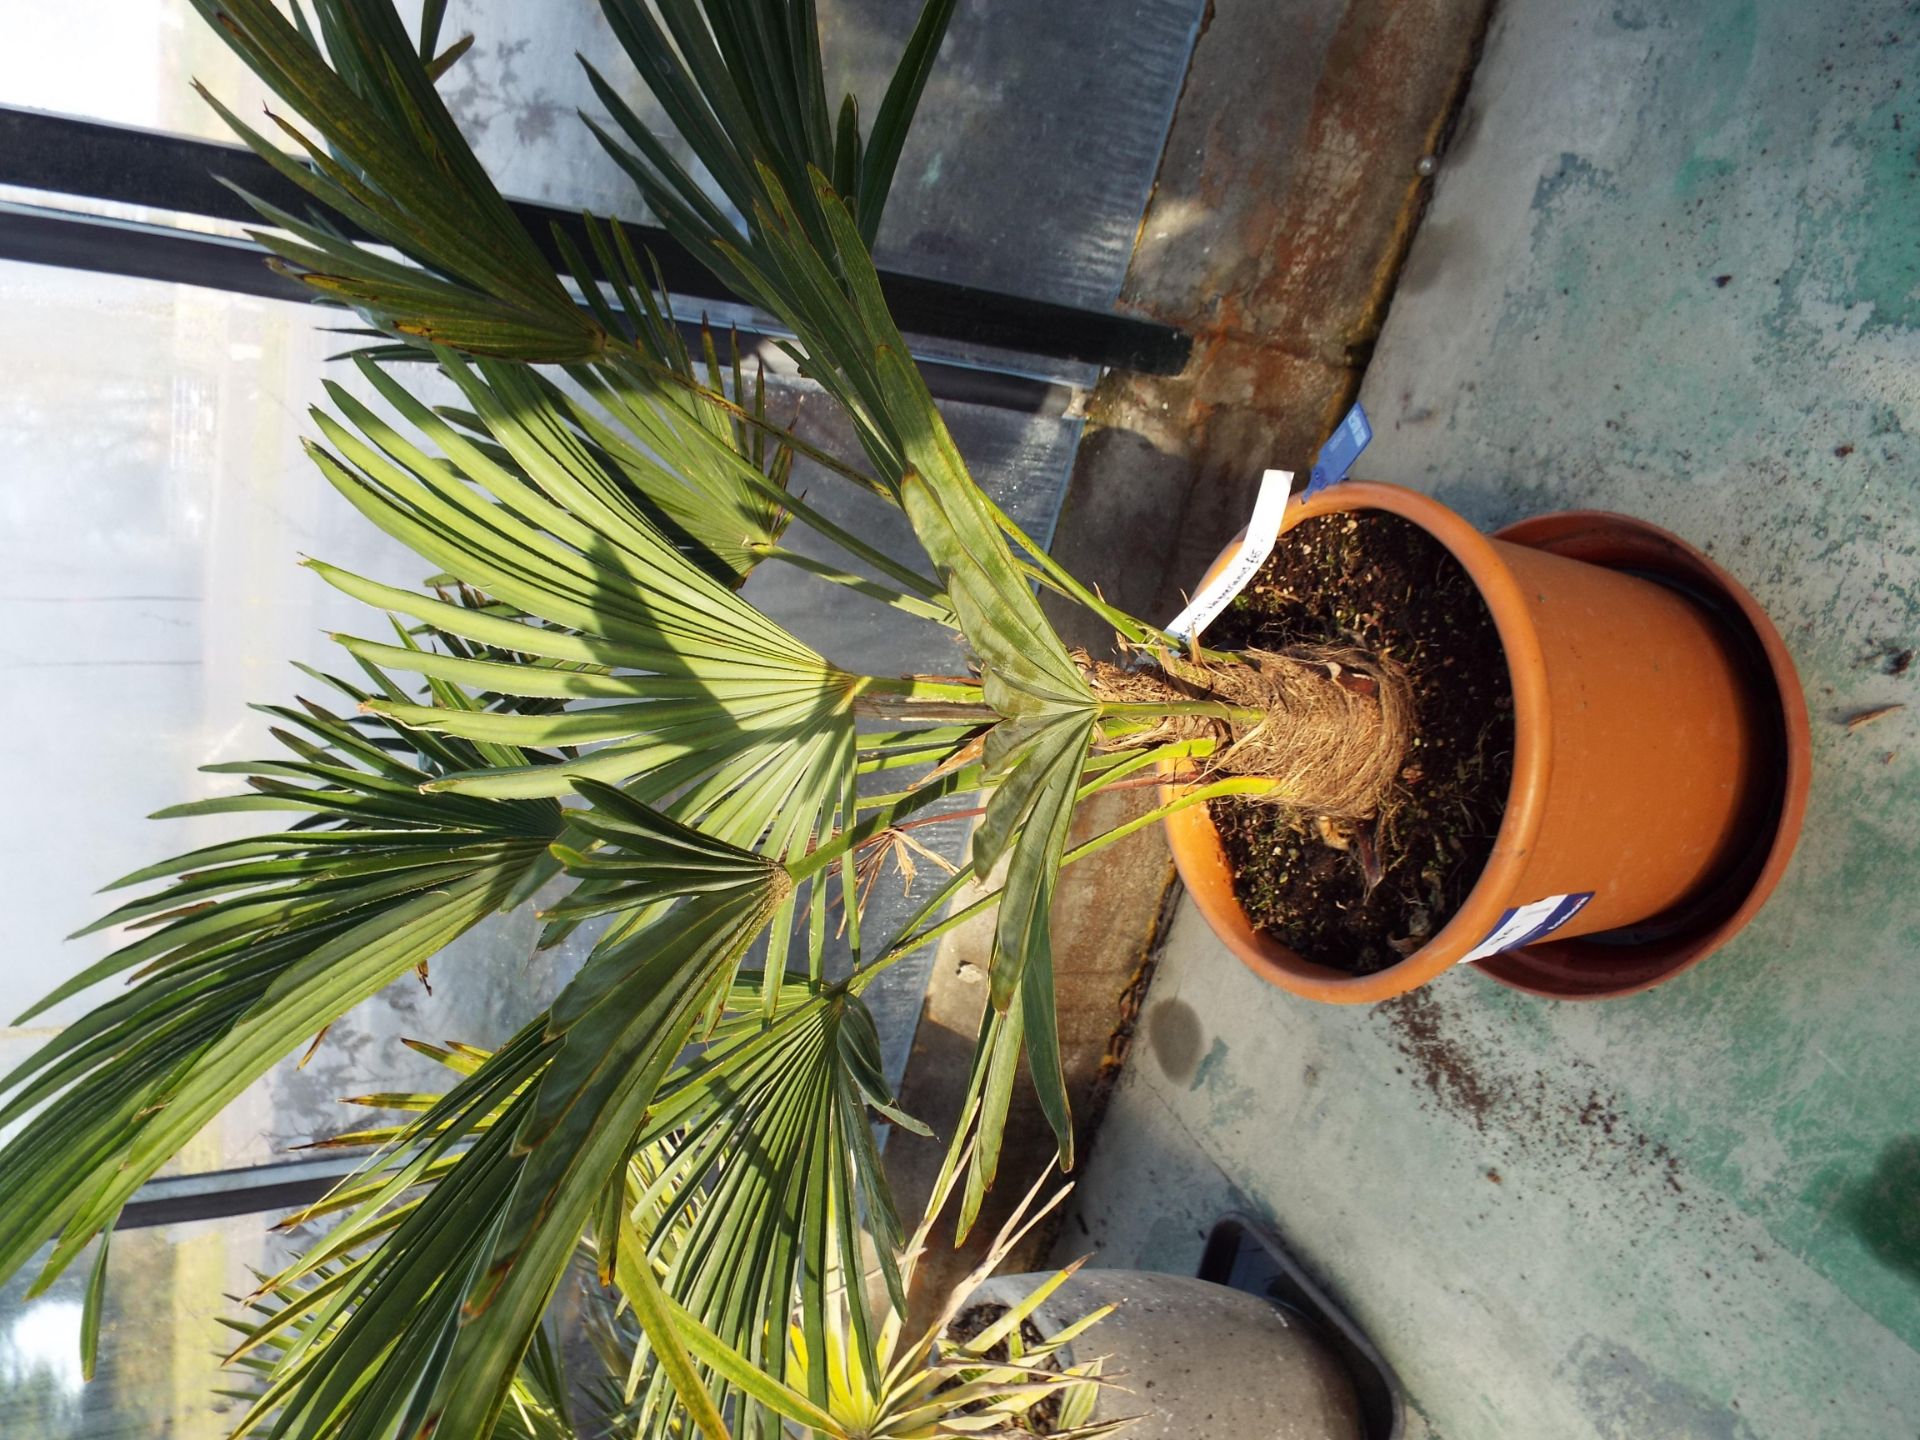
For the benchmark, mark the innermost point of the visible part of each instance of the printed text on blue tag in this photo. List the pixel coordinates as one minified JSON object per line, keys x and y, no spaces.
{"x":1343,"y":447}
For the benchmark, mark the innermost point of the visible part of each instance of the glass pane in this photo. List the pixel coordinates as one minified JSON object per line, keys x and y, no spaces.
{"x":148,"y":544}
{"x":160,"y":1336}
{"x":1039,"y":137}
{"x":149,"y":535}
{"x":128,"y":61}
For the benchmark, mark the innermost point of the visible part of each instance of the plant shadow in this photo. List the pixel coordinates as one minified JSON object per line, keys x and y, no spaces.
{"x":1883,"y":1207}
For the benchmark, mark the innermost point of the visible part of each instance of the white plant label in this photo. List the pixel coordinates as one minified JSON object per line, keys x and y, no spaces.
{"x":1525,"y":924}
{"x":1262,"y":530}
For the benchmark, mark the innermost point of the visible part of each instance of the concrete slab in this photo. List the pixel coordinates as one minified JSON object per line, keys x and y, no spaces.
{"x":1671,"y":267}
{"x":1541,"y":1243}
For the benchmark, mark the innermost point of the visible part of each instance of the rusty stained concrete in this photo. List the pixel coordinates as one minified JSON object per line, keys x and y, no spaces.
{"x":1285,"y":200}
{"x":1285,"y":196}
{"x":1671,"y":267}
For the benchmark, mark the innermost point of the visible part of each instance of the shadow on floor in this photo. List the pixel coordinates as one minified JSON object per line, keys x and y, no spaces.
{"x":1884,"y":1207}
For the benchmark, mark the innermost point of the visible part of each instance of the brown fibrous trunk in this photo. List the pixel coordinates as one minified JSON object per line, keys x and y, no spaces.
{"x":1334,"y":725}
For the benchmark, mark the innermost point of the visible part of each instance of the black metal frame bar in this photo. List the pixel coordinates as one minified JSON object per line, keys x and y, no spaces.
{"x":61,"y":238}
{"x":121,"y":163}
{"x":221,"y":1194}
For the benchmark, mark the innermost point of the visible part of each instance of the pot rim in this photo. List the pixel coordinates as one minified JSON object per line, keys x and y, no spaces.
{"x":1196,"y":843}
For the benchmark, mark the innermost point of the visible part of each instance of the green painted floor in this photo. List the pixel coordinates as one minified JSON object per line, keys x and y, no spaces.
{"x":1672,"y":267}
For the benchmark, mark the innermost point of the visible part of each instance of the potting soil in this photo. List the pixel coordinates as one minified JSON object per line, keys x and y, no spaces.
{"x":1362,"y":897}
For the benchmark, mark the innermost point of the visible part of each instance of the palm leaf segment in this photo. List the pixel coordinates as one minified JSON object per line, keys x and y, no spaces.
{"x":611,"y":1037}
{"x":741,"y":80}
{"x":844,"y":1383}
{"x":778,"y":1117}
{"x":253,"y":948}
{"x":386,"y":156}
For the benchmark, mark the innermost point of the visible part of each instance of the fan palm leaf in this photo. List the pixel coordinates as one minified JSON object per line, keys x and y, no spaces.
{"x":253,"y":948}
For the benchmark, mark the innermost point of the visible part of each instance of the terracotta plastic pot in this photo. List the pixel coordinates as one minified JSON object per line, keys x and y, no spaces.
{"x":1660,"y":765}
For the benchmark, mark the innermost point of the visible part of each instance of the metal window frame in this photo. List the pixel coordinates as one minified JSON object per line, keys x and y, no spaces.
{"x":223,"y":1194}
{"x":126,"y":165}
{"x":40,"y":235}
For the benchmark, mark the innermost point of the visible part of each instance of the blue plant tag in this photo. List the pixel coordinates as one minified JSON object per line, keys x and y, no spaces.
{"x":1343,"y":447}
{"x":1524,"y":924}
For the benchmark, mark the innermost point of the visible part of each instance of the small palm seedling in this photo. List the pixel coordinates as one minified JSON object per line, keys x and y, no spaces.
{"x":976,"y":1370}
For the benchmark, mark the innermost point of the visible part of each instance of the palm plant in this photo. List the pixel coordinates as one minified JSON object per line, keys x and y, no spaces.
{"x":990,"y":1381}
{"x":591,"y":697}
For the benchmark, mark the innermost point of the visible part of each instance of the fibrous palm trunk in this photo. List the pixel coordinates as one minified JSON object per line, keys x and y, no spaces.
{"x":1329,"y":725}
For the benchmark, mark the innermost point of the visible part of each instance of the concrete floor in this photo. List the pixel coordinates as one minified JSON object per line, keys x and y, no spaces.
{"x":1672,"y":267}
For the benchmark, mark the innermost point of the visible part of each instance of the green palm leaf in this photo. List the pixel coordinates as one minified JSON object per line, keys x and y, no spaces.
{"x":768,"y":1130}
{"x":387,"y":156}
{"x":253,"y":948}
{"x":614,"y":609}
{"x":741,"y":1189}
{"x":682,"y":688}
{"x":741,"y":81}
{"x":390,"y":160}
{"x":437,"y":1320}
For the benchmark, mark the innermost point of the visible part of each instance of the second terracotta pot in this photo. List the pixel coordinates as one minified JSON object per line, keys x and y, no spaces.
{"x":1659,"y":765}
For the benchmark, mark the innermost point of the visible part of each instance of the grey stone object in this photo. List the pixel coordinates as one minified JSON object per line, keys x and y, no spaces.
{"x":1195,"y":1361}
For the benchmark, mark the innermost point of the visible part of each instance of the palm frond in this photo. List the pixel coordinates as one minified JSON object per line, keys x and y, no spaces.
{"x":769,"y":1132}
{"x":382,"y":1298}
{"x":685,"y":693}
{"x":741,"y":80}
{"x":385,"y":155}
{"x":615,"y":611}
{"x":254,"y":947}
{"x":743,"y":1189}
{"x":436,"y":1318}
